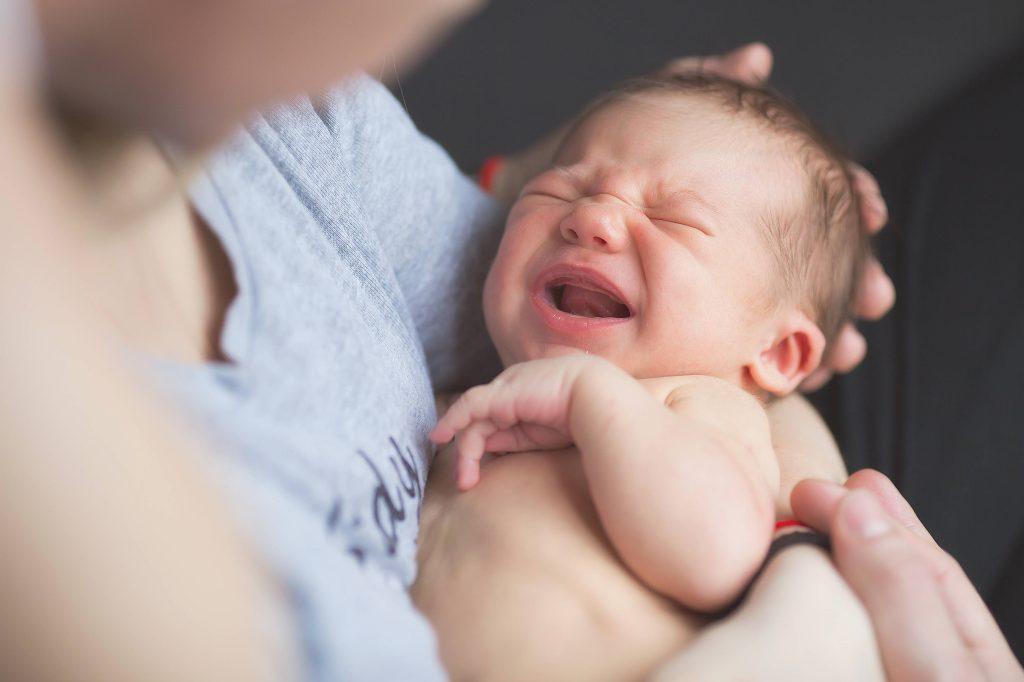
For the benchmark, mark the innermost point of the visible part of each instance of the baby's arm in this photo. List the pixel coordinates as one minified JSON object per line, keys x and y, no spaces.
{"x":804,"y":447}
{"x":684,"y":485}
{"x":683,"y":482}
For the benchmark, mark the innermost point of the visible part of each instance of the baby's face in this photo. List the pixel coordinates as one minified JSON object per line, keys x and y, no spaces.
{"x":645,"y":243}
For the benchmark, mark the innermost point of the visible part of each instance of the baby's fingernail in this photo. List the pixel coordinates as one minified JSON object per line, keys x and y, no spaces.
{"x":863,"y":515}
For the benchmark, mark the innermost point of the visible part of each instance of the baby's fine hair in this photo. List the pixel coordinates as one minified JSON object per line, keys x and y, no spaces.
{"x":821,"y":251}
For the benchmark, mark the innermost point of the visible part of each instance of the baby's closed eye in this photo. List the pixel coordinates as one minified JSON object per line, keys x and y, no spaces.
{"x":676,"y":223}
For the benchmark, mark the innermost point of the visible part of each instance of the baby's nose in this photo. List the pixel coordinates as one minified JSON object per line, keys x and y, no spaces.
{"x":596,"y":226}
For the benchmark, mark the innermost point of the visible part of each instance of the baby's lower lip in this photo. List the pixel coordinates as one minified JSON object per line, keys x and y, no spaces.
{"x":566,"y":323}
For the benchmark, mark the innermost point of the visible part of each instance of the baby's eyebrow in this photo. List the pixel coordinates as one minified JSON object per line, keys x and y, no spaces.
{"x":688,"y":196}
{"x":706,"y":214}
{"x":572,"y":174}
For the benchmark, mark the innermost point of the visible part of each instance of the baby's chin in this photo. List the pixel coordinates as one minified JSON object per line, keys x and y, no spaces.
{"x":735,"y":376}
{"x":547,"y":350}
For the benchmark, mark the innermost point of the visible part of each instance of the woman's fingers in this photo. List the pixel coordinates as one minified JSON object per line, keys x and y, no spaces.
{"x":914,"y":628}
{"x":890,"y":498}
{"x":816,"y":379}
{"x":751,"y":63}
{"x":874,"y":213}
{"x":900,"y":573}
{"x":968,"y":611}
{"x":815,"y":502}
{"x":876,"y":294}
{"x":848,"y":350}
{"x":978,"y":627}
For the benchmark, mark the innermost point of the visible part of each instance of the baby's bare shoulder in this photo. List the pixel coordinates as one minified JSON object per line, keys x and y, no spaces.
{"x":701,"y":389}
{"x":737,"y":415}
{"x":716,"y":402}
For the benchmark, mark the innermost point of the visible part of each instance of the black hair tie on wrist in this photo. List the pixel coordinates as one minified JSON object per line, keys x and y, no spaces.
{"x":798,"y":537}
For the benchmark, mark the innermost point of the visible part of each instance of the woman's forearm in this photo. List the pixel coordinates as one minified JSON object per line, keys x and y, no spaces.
{"x":800,"y":622}
{"x":118,"y":561}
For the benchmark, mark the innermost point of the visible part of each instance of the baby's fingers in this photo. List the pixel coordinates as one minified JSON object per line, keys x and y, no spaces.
{"x":441,"y":434}
{"x":471,"y":405}
{"x":470,"y":447}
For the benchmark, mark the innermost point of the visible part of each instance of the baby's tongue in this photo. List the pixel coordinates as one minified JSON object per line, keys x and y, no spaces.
{"x":587,"y":303}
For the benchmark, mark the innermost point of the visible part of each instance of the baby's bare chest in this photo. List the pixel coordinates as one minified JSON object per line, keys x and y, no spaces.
{"x":523,"y":549}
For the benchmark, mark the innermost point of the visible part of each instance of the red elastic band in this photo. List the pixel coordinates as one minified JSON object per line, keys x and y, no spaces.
{"x":789,"y":523}
{"x":489,"y":171}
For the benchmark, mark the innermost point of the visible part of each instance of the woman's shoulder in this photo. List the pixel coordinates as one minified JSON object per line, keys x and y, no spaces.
{"x":348,"y":128}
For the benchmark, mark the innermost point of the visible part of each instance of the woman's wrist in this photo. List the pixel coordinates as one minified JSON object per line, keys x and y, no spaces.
{"x":799,"y":622}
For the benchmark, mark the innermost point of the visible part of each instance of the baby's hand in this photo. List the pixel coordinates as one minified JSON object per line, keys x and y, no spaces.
{"x":525,"y":408}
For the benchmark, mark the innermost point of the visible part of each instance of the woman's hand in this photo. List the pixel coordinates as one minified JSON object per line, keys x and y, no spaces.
{"x":929,"y":620}
{"x":525,"y":408}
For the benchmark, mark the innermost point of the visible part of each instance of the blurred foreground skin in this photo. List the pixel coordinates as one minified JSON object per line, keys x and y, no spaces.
{"x":203,"y":66}
{"x":119,"y":563}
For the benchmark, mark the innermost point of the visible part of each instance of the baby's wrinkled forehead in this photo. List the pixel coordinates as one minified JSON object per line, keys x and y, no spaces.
{"x":666,"y":115}
{"x":687,"y":142}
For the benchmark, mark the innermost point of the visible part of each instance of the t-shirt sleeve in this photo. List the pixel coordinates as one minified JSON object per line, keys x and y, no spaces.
{"x":439,"y":231}
{"x":20,"y":46}
{"x":350,"y":623}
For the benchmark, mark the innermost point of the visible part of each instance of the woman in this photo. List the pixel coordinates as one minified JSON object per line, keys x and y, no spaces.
{"x":288,"y":305}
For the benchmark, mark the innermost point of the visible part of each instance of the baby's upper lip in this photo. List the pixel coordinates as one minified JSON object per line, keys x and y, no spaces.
{"x":583,"y":276}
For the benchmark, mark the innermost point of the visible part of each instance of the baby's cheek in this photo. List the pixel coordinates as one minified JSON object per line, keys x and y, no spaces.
{"x":696,"y":340}
{"x":498,"y":312}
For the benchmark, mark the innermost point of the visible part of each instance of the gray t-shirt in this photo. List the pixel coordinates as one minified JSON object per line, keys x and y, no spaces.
{"x":360,"y":252}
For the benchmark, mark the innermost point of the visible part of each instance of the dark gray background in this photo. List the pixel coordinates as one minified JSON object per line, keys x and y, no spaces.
{"x":862,"y":68}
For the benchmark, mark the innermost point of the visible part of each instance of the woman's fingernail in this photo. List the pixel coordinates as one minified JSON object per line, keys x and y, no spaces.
{"x":863,"y":515}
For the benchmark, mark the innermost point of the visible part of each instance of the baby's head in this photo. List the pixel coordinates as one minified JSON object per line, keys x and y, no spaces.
{"x":688,"y":226}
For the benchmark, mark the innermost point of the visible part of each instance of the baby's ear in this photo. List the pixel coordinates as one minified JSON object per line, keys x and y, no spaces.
{"x":793,"y":353}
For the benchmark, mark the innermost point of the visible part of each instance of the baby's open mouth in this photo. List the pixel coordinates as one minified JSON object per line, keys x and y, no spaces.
{"x":583,"y":301}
